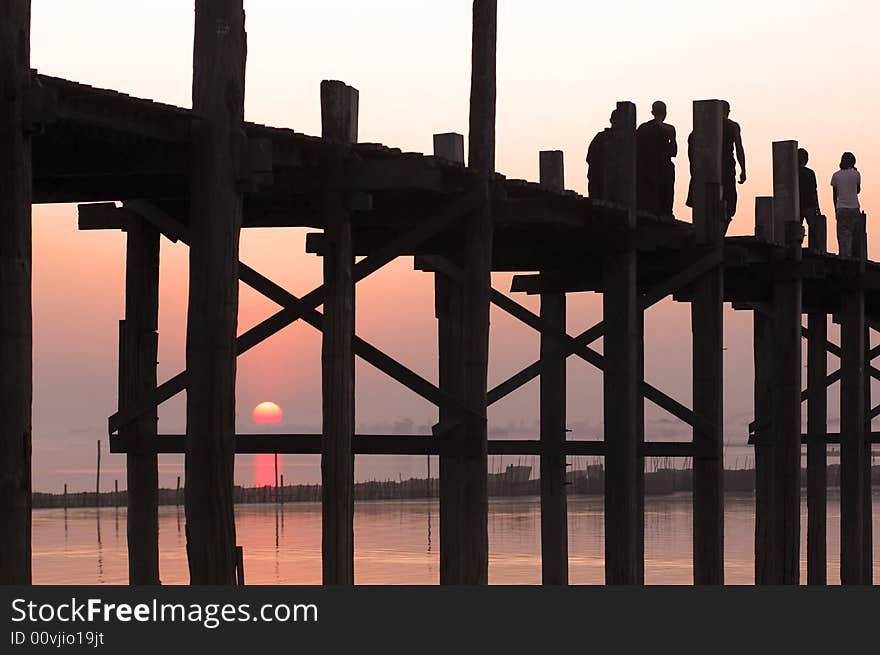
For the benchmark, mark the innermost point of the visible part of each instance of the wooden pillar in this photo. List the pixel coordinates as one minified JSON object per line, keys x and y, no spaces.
{"x":15,"y":294}
{"x":817,"y":427}
{"x":764,"y":228}
{"x":855,"y":461}
{"x":778,"y":528}
{"x":138,"y":350}
{"x":707,"y":324}
{"x":339,"y":116}
{"x":464,"y":539}
{"x":554,"y":509}
{"x":449,"y":146}
{"x":215,"y":224}
{"x":624,"y":468}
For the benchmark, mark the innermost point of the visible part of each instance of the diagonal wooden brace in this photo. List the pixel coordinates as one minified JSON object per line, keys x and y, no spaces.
{"x":278,"y":321}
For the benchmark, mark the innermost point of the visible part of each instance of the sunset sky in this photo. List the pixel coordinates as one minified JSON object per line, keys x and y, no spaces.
{"x":791,"y":70}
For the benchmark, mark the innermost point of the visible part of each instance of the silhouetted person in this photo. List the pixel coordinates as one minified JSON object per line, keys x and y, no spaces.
{"x":656,"y":172}
{"x":732,"y":151}
{"x":731,"y":144}
{"x":847,"y":185}
{"x":809,"y":193}
{"x":597,"y":161}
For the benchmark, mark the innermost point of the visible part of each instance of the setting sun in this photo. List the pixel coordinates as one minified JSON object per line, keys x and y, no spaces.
{"x":267,"y":413}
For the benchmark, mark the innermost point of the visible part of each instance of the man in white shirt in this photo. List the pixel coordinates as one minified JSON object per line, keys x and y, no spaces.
{"x":847,"y":185}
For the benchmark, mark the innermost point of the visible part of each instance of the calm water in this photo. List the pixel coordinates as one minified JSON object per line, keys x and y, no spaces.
{"x":396,"y":542}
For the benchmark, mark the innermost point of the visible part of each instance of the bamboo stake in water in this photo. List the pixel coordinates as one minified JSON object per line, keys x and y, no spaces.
{"x":98,"y":478}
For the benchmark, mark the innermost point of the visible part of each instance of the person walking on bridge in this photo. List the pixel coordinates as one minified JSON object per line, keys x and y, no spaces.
{"x":655,"y":177}
{"x":847,"y":185}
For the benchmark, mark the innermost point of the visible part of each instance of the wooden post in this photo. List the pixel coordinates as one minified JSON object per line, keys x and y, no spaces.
{"x":449,"y":146}
{"x":15,"y":294}
{"x":463,"y":315}
{"x":624,"y":468}
{"x":339,"y":112}
{"x":554,"y":508}
{"x":855,"y":460}
{"x":552,"y":169}
{"x":764,"y":227}
{"x":65,"y":495}
{"x":448,"y":310}
{"x":177,"y":493}
{"x":98,"y":477}
{"x":707,"y":324}
{"x":215,"y":224}
{"x":778,"y":499}
{"x":138,"y":354}
{"x":817,"y":427}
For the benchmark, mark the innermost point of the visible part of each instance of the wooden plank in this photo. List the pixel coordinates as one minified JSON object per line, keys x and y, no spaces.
{"x":707,"y":323}
{"x":138,"y":354}
{"x":339,"y":108}
{"x":624,"y":469}
{"x":215,"y":223}
{"x":464,"y":549}
{"x":554,"y":509}
{"x":16,"y":340}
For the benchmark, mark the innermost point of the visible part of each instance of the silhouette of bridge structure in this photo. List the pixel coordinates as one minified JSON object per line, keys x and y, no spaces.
{"x":200,"y":175}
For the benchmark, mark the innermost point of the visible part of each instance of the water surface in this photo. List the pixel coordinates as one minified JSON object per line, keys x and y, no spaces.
{"x":397,"y":542}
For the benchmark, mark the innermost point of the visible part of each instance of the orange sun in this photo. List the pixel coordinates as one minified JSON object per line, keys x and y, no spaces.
{"x":267,"y":413}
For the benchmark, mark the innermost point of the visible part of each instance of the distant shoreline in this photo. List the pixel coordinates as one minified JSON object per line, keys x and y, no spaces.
{"x":516,"y":481}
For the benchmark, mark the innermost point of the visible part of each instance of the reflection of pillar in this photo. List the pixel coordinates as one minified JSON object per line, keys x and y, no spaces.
{"x":554,"y":514}
{"x":212,"y":320}
{"x":15,"y":295}
{"x":707,"y":325}
{"x":339,"y":111}
{"x":624,"y":468}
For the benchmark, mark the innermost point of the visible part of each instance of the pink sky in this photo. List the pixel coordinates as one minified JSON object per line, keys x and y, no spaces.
{"x":792,"y":70}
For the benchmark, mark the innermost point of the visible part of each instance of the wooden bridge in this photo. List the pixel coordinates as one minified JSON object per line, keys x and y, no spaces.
{"x":199,"y":175}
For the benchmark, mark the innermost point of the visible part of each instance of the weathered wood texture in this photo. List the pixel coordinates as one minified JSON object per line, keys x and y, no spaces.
{"x":624,"y":469}
{"x":817,"y":426}
{"x":464,"y":540}
{"x":15,"y":294}
{"x":339,"y":119}
{"x":138,"y":350}
{"x":216,"y":213}
{"x":707,"y":324}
